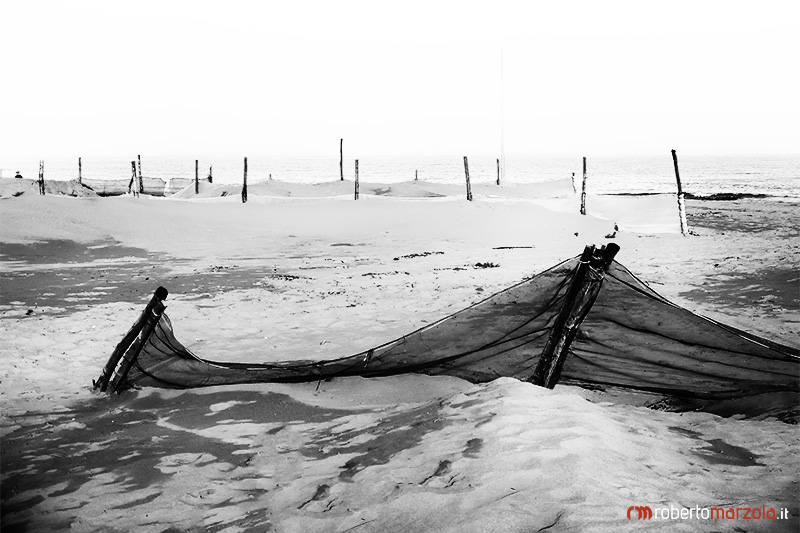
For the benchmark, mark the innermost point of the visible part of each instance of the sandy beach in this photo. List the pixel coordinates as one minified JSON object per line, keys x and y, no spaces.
{"x":304,"y":272}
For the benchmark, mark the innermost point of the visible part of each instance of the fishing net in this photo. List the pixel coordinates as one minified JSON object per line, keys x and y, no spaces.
{"x":632,"y":338}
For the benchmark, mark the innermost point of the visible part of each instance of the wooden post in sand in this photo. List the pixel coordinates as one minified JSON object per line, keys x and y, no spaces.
{"x":681,"y":204}
{"x":132,"y":184}
{"x":578,"y":300}
{"x":133,"y":177}
{"x":469,"y":187}
{"x":210,"y":178}
{"x":416,"y":175}
{"x":141,"y":180}
{"x":79,"y":171}
{"x":498,"y":171}
{"x":244,"y":183}
{"x":341,"y":160}
{"x":356,"y":192}
{"x":196,"y":176}
{"x":583,"y":189}
{"x":41,"y":176}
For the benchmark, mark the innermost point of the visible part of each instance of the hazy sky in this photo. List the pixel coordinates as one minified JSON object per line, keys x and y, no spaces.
{"x":402,"y":78}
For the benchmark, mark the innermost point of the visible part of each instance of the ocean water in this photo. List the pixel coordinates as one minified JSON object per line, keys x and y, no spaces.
{"x":774,"y":176}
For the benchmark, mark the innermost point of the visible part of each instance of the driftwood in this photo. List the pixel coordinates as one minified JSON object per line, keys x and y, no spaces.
{"x":578,"y":301}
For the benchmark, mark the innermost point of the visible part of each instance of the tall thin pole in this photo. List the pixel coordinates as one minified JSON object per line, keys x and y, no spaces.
{"x":502,"y":172}
{"x":498,"y":172}
{"x":469,"y":187}
{"x":79,"y":171}
{"x":583,"y":189}
{"x":681,"y":203}
{"x":196,"y":177}
{"x":210,"y":177}
{"x":244,"y":183}
{"x":356,"y":190}
{"x":141,"y":180}
{"x":341,"y":160}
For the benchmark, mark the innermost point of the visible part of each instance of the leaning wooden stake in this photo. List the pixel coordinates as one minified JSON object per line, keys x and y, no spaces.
{"x":196,"y":176}
{"x":469,"y":187}
{"x":356,"y":190}
{"x":41,"y":176}
{"x":681,"y":203}
{"x":141,"y":179}
{"x":581,"y":295}
{"x":115,"y":372}
{"x":131,"y":187}
{"x":244,"y":183}
{"x":583,"y":189}
{"x":79,"y":171}
{"x":341,"y":160}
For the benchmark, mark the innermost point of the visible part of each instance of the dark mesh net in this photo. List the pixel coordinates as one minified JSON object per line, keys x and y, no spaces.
{"x":632,"y":338}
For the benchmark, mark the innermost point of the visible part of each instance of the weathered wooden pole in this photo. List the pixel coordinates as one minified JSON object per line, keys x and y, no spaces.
{"x":196,"y":176}
{"x":112,"y":368}
{"x":210,"y":178}
{"x":583,"y":189}
{"x":341,"y":160}
{"x":141,"y":179}
{"x":41,"y":176}
{"x":469,"y":187}
{"x":80,"y":178}
{"x":416,"y":175}
{"x":498,"y":171}
{"x":356,"y":191}
{"x":244,"y":183}
{"x":681,"y":203}
{"x":581,"y":294}
{"x":131,"y":188}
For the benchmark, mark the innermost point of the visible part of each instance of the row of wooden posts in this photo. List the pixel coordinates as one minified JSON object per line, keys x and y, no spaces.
{"x":136,"y":184}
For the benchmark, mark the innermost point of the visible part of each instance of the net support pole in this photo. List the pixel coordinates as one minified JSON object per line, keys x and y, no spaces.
{"x":469,"y":187}
{"x":356,"y":189}
{"x":244,"y":183}
{"x":581,"y":295}
{"x":583,"y":189}
{"x":141,"y":179}
{"x":125,"y":344}
{"x":41,"y":177}
{"x":681,"y":203}
{"x":133,"y":177}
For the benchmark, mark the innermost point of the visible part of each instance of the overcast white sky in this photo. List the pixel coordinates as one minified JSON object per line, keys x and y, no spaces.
{"x":404,"y":78}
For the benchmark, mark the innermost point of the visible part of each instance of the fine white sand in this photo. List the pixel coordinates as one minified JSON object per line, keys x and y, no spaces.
{"x":303,"y":271}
